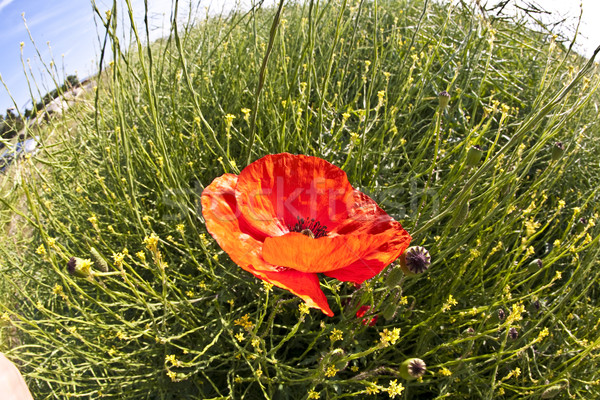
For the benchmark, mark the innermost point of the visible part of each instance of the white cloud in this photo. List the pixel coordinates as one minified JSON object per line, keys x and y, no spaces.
{"x":4,"y":3}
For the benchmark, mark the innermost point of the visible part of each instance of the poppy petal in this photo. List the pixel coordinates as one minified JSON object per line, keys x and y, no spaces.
{"x":303,"y":253}
{"x":373,"y":263}
{"x":366,"y":217}
{"x":276,"y":190}
{"x":223,"y":223}
{"x":304,"y":285}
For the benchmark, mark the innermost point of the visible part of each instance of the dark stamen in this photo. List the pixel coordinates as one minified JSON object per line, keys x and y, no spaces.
{"x":309,"y":227}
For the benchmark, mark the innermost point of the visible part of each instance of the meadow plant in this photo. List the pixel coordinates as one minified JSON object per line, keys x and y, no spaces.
{"x":447,"y":117}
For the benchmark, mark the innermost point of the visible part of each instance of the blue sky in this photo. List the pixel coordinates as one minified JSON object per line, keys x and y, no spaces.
{"x":68,"y":26}
{"x":64,"y":32}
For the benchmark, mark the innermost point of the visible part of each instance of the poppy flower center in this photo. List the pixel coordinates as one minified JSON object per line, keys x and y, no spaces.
{"x":309,"y":227}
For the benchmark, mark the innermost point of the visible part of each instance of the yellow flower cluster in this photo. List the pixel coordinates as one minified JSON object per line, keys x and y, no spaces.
{"x":304,"y":309}
{"x":449,"y":303}
{"x":244,"y":322}
{"x":516,"y":313}
{"x":117,"y":258}
{"x":389,"y":337}
{"x":331,"y":371}
{"x":41,"y":250}
{"x":544,"y":332}
{"x":151,"y":242}
{"x":395,"y":388}
{"x":372,"y":389}
{"x":336,"y":335}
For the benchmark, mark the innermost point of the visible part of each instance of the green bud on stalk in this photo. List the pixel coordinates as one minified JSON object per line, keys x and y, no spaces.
{"x":535,"y":266}
{"x":580,"y":225}
{"x":444,"y":99}
{"x":474,"y":156}
{"x":557,"y":151}
{"x":81,"y":268}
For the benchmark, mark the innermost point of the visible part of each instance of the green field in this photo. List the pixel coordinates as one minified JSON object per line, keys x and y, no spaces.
{"x":509,"y":307}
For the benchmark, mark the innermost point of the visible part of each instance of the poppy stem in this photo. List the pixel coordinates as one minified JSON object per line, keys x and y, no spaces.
{"x":261,"y":79}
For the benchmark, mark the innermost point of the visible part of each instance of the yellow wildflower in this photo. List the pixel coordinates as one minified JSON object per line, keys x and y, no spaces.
{"x":244,"y":322}
{"x":141,"y":255}
{"x":395,"y":388}
{"x":331,"y":371}
{"x":304,"y":309}
{"x":372,"y":389}
{"x":41,"y":250}
{"x":449,"y":303}
{"x":118,"y":259}
{"x":544,"y":332}
{"x":151,"y":242}
{"x":389,"y":337}
{"x":336,"y":335}
{"x":516,"y":313}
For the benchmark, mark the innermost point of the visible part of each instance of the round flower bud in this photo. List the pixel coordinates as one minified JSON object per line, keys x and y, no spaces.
{"x":79,"y":267}
{"x":501,"y":314}
{"x":535,"y":266}
{"x":444,"y":99}
{"x":580,"y":225}
{"x":474,"y":156}
{"x":557,"y":151}
{"x":415,"y":260}
{"x":412,"y":368}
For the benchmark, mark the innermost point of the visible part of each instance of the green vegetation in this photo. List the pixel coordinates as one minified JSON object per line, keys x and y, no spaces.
{"x":357,"y":84}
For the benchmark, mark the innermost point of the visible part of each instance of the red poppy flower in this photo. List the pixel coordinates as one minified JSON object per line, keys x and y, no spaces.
{"x":361,"y":313}
{"x":287,"y":217}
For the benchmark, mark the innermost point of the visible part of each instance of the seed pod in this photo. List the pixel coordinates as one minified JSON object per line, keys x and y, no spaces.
{"x":79,"y":267}
{"x":535,"y":266}
{"x":412,"y":368}
{"x":99,"y":262}
{"x":415,"y":260}
{"x":474,"y":156}
{"x":557,"y":151}
{"x":444,"y":99}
